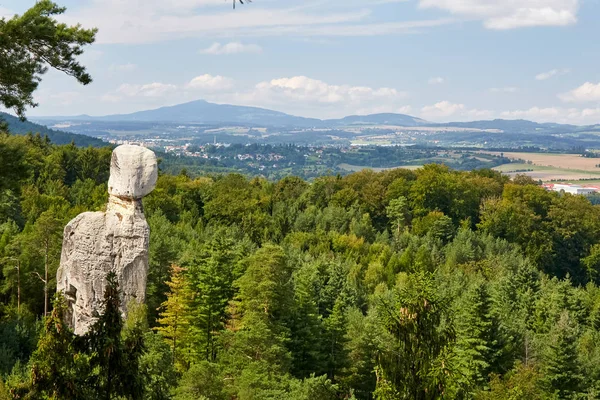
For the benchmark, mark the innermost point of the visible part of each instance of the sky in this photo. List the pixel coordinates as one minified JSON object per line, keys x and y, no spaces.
{"x":441,"y":60}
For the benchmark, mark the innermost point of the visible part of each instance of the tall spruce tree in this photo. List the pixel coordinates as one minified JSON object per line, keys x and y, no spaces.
{"x":58,"y":366}
{"x":561,"y":368}
{"x":475,"y":337}
{"x":114,"y":360}
{"x":416,"y":364}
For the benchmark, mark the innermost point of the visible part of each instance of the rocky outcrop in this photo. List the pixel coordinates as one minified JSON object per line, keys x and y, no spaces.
{"x":96,"y":243}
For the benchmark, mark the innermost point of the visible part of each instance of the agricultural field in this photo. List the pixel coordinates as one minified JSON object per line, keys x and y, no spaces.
{"x":550,"y":167}
{"x":561,"y":161}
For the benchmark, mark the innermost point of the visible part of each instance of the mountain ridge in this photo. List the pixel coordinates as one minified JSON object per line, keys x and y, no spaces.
{"x":201,"y":111}
{"x":204,"y":112}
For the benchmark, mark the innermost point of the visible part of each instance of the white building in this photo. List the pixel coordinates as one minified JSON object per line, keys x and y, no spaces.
{"x":573,"y":189}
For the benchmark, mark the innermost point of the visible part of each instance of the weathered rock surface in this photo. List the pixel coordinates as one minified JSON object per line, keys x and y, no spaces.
{"x":96,"y":243}
{"x":133,"y":172}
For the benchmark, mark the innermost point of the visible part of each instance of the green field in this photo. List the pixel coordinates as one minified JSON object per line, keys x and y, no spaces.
{"x":355,"y":168}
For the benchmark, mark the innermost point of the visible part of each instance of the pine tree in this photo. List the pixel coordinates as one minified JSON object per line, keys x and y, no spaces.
{"x":257,"y":359}
{"x":174,"y":320}
{"x":58,"y":366}
{"x":46,"y":231}
{"x":114,"y":362}
{"x":306,"y":324}
{"x":561,"y":369}
{"x":212,"y":269}
{"x":335,"y":340}
{"x":475,"y":336}
{"x":398,"y":213}
{"x":31,"y":43}
{"x":416,"y":363}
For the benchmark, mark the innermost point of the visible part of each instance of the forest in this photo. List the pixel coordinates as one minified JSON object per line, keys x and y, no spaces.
{"x":402,"y":284}
{"x":275,"y":162}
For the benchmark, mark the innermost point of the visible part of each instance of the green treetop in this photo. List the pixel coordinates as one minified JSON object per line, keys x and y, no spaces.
{"x":32,"y":43}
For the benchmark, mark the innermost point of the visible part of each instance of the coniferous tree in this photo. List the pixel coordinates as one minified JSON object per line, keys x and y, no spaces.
{"x":58,"y":366}
{"x":174,"y":320}
{"x":114,"y":361}
{"x":257,"y":358}
{"x":475,"y":337}
{"x":30,"y":44}
{"x":334,"y":340}
{"x":416,"y":364}
{"x":561,"y":368}
{"x":398,"y":213}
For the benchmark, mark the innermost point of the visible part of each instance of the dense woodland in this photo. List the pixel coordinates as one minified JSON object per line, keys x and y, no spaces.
{"x":397,"y":285}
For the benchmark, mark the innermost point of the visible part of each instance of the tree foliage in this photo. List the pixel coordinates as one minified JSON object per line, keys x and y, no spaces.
{"x":32,"y":43}
{"x":399,"y":284}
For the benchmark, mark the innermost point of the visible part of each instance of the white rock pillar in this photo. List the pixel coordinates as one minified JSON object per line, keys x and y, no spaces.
{"x":96,"y":243}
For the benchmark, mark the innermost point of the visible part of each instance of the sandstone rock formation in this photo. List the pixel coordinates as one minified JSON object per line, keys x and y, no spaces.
{"x":96,"y":243}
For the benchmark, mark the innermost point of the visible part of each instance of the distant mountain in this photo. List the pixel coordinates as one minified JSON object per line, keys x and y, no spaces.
{"x":201,"y":111}
{"x":18,"y":127}
{"x":378,"y":119}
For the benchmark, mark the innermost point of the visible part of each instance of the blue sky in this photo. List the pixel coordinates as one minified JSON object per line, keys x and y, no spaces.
{"x":440,"y":60}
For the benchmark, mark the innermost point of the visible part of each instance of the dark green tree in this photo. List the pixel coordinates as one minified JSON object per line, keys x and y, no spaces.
{"x":561,"y":368}
{"x":114,"y":360}
{"x":475,"y":336}
{"x":32,"y":43}
{"x":416,"y":363}
{"x":58,"y":366}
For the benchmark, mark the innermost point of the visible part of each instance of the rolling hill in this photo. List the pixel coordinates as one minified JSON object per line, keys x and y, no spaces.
{"x":378,"y":119}
{"x":18,"y":127}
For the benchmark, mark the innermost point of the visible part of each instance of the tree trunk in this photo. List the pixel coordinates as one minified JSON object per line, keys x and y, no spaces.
{"x":18,"y":286}
{"x":46,"y":280}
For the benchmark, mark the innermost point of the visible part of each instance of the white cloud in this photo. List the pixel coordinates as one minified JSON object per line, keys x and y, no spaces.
{"x":510,"y":14}
{"x":139,"y":21}
{"x":155,"y":89}
{"x":302,"y":95}
{"x":585,"y":93}
{"x":533,"y":113}
{"x":442,"y":109}
{"x":298,"y":95}
{"x":549,"y":74}
{"x":556,"y":114}
{"x":129,"y":67}
{"x":445,"y":109}
{"x":208,"y":82}
{"x":170,"y":93}
{"x":307,"y":89}
{"x":508,"y":89}
{"x":436,"y":81}
{"x":6,"y":13}
{"x":231,"y":48}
